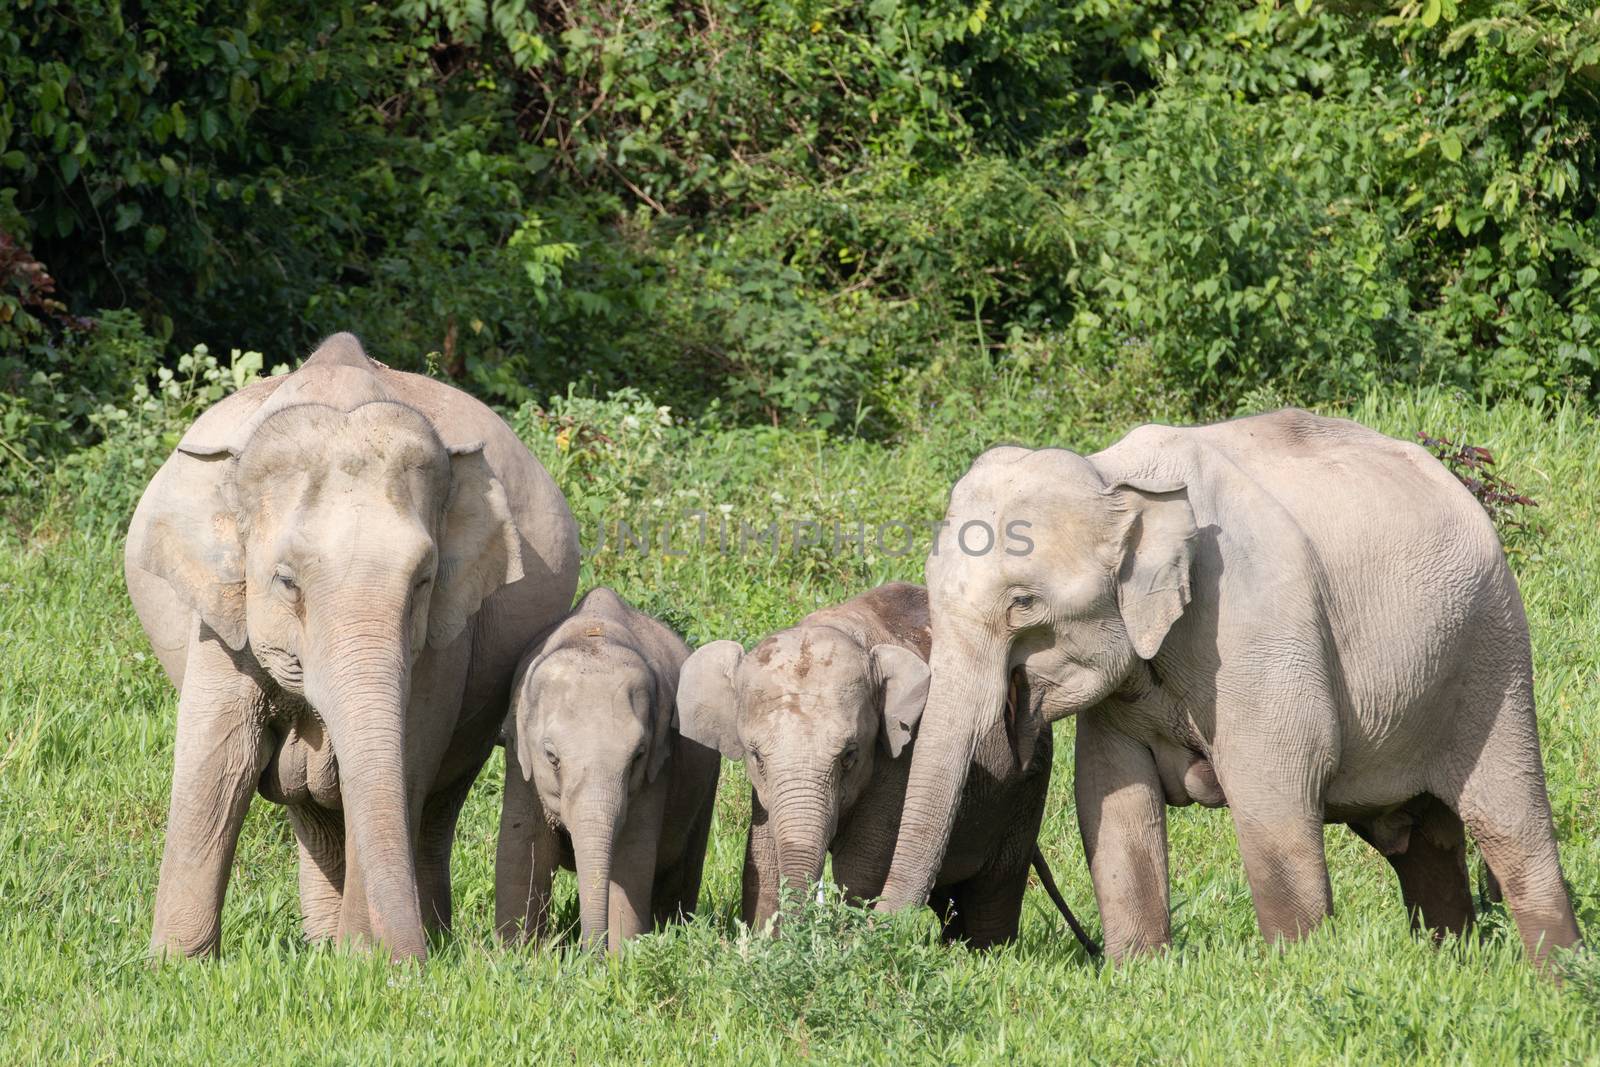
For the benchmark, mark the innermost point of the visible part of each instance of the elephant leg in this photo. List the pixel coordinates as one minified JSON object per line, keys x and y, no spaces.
{"x":666,"y":896}
{"x":990,"y":906}
{"x":677,"y":891}
{"x":1432,"y":869}
{"x":760,"y":891}
{"x":1273,"y":766}
{"x":436,"y":835}
{"x":1284,"y":862}
{"x":1503,"y":802}
{"x":319,"y":834}
{"x":1122,"y":817}
{"x":218,"y":758}
{"x":633,"y":867}
{"x":860,"y":866}
{"x":527,"y":854}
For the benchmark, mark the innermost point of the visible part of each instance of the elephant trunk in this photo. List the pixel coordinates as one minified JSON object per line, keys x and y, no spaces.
{"x":965,"y":699}
{"x":594,"y":821}
{"x":360,"y":689}
{"x":803,"y":815}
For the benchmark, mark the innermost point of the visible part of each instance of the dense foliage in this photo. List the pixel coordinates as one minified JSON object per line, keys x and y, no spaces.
{"x":801,"y":211}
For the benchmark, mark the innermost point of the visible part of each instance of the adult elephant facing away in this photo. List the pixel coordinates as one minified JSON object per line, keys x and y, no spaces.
{"x":1291,"y":615}
{"x":339,"y":569}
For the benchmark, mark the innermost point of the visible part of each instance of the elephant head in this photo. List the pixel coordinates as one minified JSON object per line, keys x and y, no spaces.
{"x":333,"y":544}
{"x":809,"y":711}
{"x":1051,"y":584}
{"x":593,"y":727}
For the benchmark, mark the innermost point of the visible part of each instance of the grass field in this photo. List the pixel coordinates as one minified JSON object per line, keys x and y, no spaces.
{"x":85,"y":760}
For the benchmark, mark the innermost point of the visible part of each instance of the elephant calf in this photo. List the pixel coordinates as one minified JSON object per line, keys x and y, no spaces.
{"x":598,"y":779}
{"x":822,"y":715}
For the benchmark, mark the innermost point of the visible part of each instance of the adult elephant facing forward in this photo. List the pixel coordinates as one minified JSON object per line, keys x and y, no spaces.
{"x":1293,"y":616}
{"x":338,"y":570}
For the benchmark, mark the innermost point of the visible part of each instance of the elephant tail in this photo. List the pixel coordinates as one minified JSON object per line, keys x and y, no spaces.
{"x":1048,"y":880}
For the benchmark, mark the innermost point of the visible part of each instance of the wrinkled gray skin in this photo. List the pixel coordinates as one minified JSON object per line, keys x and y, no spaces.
{"x":1293,"y":616}
{"x":822,"y":715}
{"x":339,"y":570}
{"x":598,"y":779}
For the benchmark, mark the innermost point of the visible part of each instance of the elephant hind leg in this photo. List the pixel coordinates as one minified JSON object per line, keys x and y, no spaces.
{"x":319,"y":833}
{"x":1431,"y":864}
{"x":1503,"y":802}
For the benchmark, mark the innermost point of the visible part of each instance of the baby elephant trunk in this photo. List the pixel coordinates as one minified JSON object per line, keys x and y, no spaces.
{"x":594,"y":822}
{"x":803,"y":817}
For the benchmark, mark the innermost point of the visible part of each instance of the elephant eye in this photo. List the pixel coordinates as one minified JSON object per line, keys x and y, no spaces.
{"x":1024,"y":601}
{"x":284,"y":580}
{"x":848,"y":758}
{"x":550,"y":754}
{"x":755,"y":755}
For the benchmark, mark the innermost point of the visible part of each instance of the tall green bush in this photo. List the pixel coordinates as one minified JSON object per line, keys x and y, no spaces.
{"x":785,"y":211}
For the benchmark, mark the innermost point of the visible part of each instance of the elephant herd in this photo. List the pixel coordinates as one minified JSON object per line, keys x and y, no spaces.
{"x":360,"y":581}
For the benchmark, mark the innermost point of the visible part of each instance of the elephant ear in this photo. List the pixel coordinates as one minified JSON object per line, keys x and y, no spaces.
{"x":663,"y":722}
{"x":707,"y":711}
{"x":1158,"y":535}
{"x":480,"y":549}
{"x":520,"y":719}
{"x":190,"y":539}
{"x":902,"y":678}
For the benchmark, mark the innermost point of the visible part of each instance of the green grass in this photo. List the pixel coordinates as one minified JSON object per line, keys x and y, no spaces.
{"x":85,"y":748}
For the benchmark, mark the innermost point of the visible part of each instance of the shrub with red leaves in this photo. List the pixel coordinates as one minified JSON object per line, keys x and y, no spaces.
{"x":27,"y":281}
{"x":1471,"y":465}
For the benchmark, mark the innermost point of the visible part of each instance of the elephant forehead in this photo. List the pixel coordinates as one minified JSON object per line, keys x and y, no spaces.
{"x":1026,"y":483}
{"x":586,"y":677}
{"x":795,"y":656}
{"x":817,"y":709}
{"x":800,"y":722}
{"x":377,"y":437}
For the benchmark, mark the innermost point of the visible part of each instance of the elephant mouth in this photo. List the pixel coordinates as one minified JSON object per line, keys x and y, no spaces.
{"x":284,"y":667}
{"x":1016,"y":701}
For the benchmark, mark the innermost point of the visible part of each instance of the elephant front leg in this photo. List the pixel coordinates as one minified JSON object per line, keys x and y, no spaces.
{"x":435,"y":837}
{"x":319,"y":834}
{"x":218,"y":759}
{"x":633,"y":867}
{"x":760,"y":890}
{"x":526,"y":857}
{"x":1123,"y":819}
